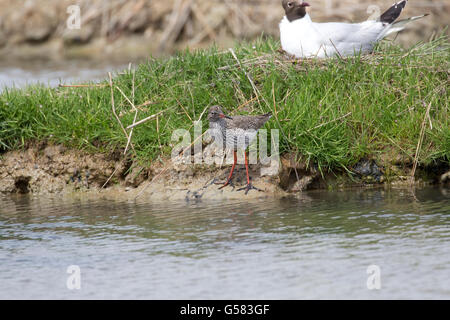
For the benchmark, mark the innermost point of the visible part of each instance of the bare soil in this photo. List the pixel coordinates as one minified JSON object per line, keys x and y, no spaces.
{"x":54,"y":169}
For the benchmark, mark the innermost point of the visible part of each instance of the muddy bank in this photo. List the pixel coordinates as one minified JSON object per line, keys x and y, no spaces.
{"x":57,"y":170}
{"x":132,"y":29}
{"x":52,"y":169}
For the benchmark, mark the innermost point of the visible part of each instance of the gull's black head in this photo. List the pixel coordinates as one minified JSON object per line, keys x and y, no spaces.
{"x":216,"y":113}
{"x":294,"y":9}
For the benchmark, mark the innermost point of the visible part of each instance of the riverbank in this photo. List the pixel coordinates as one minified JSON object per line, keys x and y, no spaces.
{"x":375,"y":119}
{"x":49,"y":169}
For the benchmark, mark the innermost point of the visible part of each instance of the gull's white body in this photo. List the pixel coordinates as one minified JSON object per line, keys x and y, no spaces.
{"x":305,"y":39}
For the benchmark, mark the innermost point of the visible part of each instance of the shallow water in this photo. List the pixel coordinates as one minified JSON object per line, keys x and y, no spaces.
{"x":18,"y":74}
{"x":317,"y":246}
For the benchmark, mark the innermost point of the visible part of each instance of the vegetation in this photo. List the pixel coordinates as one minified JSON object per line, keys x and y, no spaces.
{"x":330,"y":112}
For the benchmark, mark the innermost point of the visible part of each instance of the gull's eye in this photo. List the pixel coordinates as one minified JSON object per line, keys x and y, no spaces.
{"x":290,"y":4}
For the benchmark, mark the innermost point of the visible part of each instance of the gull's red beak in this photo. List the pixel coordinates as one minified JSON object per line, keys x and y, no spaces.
{"x":305,"y":4}
{"x":224,"y":116}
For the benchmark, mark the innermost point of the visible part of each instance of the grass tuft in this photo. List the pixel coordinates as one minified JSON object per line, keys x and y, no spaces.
{"x":331,"y":113}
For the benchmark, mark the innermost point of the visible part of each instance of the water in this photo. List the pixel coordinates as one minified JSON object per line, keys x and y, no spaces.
{"x":14,"y":74}
{"x":318,"y":246}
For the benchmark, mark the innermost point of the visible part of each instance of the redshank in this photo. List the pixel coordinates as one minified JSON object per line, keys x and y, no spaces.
{"x":237,"y":132}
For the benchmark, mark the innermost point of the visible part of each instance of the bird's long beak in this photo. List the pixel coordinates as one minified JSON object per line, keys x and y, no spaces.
{"x":224,"y":116}
{"x":305,"y":4}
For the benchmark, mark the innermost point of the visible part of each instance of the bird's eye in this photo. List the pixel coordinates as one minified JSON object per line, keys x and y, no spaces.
{"x":290,"y":4}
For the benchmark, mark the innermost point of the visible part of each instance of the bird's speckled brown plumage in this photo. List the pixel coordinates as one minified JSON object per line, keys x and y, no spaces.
{"x":236,"y":132}
{"x":237,"y":126}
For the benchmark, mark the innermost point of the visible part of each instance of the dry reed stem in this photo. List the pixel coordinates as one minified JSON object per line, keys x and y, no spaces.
{"x":339,"y":54}
{"x":114,"y":107}
{"x":255,"y":89}
{"x":419,"y":143}
{"x":146,"y":103}
{"x":244,"y":104}
{"x":131,"y":132}
{"x":126,"y":98}
{"x":110,"y":177}
{"x":134,"y":121}
{"x":82,"y":85}
{"x":135,"y":109}
{"x":147,"y":119}
{"x":185,"y":112}
{"x":157,"y":131}
{"x":118,"y":119}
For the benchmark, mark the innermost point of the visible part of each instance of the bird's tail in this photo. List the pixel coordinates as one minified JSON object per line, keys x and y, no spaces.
{"x":400,"y":25}
{"x":393,"y":12}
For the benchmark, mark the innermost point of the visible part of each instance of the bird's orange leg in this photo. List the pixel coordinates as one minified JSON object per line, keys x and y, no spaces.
{"x":249,"y":185}
{"x":228,"y":182}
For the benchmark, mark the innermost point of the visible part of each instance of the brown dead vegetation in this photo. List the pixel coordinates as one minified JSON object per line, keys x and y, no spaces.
{"x":164,"y":26}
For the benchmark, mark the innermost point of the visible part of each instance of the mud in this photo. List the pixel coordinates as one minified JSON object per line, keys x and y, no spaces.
{"x":57,"y":170}
{"x":54,"y":169}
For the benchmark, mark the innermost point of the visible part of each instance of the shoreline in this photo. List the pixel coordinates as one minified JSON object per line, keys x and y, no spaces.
{"x":56,"y":170}
{"x":358,"y":122}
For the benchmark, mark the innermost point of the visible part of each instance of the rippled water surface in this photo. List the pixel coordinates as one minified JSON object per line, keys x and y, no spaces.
{"x":316,"y":246}
{"x":52,"y":73}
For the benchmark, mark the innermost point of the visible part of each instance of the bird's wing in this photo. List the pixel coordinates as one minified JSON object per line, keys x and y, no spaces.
{"x":347,"y":37}
{"x":400,"y":25}
{"x":243,"y":122}
{"x":349,"y":32}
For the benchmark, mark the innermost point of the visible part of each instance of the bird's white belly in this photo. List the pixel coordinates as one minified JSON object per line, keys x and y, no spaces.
{"x":239,"y":139}
{"x":302,"y":38}
{"x":298,"y":39}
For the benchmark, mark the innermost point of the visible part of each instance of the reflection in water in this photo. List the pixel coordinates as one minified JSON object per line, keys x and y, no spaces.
{"x":318,"y":246}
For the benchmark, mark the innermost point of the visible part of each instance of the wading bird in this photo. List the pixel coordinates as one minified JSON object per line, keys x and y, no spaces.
{"x":236,"y":133}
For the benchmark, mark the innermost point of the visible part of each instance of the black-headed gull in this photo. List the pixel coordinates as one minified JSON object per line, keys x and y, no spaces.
{"x":301,"y":37}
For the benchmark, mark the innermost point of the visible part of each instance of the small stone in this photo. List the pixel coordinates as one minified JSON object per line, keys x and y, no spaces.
{"x":272,"y":170}
{"x":368,"y":169}
{"x":445,"y":178}
{"x":136,"y":177}
{"x":302,"y":184}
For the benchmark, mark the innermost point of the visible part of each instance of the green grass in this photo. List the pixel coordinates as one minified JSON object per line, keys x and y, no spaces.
{"x":331,"y":113}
